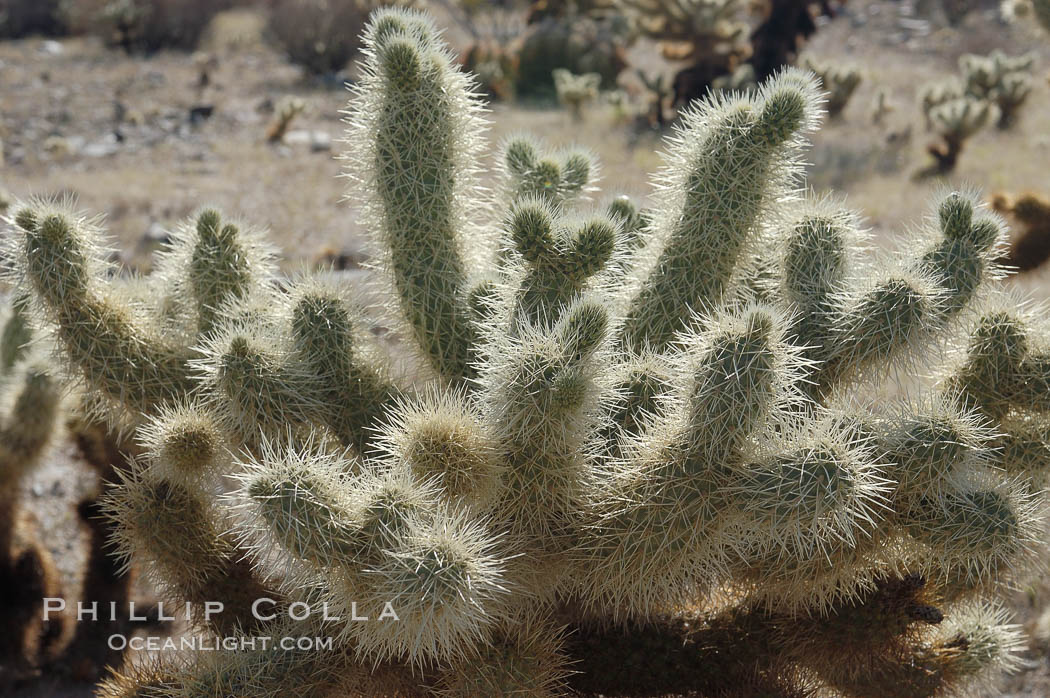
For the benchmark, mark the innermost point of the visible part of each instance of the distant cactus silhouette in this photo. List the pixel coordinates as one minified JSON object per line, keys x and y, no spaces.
{"x":637,"y":445}
{"x":29,"y":407}
{"x":575,"y":91}
{"x":840,"y":82}
{"x":1035,"y":13}
{"x":1004,"y":81}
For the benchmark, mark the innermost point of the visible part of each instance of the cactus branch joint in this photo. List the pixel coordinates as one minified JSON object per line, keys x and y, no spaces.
{"x":675,"y":450}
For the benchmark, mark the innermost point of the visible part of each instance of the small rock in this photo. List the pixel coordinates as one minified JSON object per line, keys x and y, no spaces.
{"x":200,"y":113}
{"x":51,"y":48}
{"x":102,"y":148}
{"x":317,"y":140}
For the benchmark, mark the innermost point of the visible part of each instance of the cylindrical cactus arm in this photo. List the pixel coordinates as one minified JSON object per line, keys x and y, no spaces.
{"x":16,"y":333}
{"x":254,"y":382}
{"x":558,"y":260}
{"x":166,"y":518}
{"x":414,"y":132}
{"x":377,"y":539}
{"x":897,"y":317}
{"x":29,"y":399}
{"x":555,"y":178}
{"x":981,"y":534}
{"x":1005,"y":367}
{"x":742,"y":374}
{"x":115,"y":352}
{"x":965,"y":258}
{"x":542,"y":392}
{"x":173,"y":528}
{"x":672,"y":492}
{"x":440,"y":438}
{"x":524,"y":658}
{"x":727,"y":166}
{"x":210,"y":265}
{"x":958,"y":653}
{"x":28,"y":421}
{"x":925,"y":446}
{"x":814,"y":267}
{"x":353,"y":389}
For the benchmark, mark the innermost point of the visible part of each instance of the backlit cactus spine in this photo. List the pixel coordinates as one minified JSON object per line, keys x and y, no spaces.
{"x":657,"y":419}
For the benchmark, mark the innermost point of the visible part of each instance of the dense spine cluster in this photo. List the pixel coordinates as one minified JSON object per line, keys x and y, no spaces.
{"x":650,"y":419}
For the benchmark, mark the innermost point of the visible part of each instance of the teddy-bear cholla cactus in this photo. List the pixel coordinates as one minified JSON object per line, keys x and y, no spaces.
{"x":576,"y":91}
{"x":1034,"y":13}
{"x":618,"y":416}
{"x":840,"y":82}
{"x":954,"y":116}
{"x":1000,"y":79}
{"x":29,"y":408}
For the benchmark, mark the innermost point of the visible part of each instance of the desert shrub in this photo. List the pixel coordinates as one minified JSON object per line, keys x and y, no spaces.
{"x":320,"y":35}
{"x":579,"y":44}
{"x":146,"y":26}
{"x":20,"y":18}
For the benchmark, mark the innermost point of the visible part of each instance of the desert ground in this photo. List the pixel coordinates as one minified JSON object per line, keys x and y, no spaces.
{"x":144,"y":142}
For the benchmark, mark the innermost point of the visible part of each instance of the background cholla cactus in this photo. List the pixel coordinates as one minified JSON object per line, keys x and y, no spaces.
{"x":881,"y":106}
{"x":636,"y":445}
{"x":999,"y":79}
{"x":284,"y":114}
{"x":954,"y":120}
{"x":29,"y":407}
{"x":710,"y":36}
{"x":567,"y":35}
{"x":1033,"y":12}
{"x":575,"y":91}
{"x":840,"y":82}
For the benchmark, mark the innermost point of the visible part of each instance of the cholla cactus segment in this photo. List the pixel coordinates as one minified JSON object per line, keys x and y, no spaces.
{"x":414,"y":129}
{"x":705,"y":218}
{"x":555,"y":177}
{"x":443,"y":439}
{"x":1032,"y":12}
{"x":254,"y":382}
{"x":210,"y":266}
{"x":115,"y":352}
{"x":184,"y":443}
{"x":174,"y":529}
{"x":16,"y":334}
{"x":29,"y":407}
{"x":576,"y":91}
{"x":999,"y":79}
{"x":560,"y":260}
{"x":30,"y":397}
{"x":840,"y":82}
{"x":351,"y":381}
{"x":523,"y":659}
